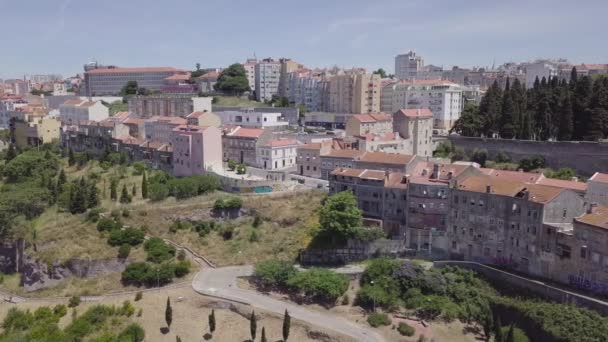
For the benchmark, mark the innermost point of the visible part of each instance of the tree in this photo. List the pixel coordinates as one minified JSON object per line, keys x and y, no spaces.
{"x":231,"y":165}
{"x":71,"y":159}
{"x":212,"y":321}
{"x":144,"y":186}
{"x":480,"y":157}
{"x":470,"y":123}
{"x":78,"y":199}
{"x":263,"y":338}
{"x":131,"y":88}
{"x":286,"y":325}
{"x":340,"y":216}
{"x":487,"y":322}
{"x":92,"y":198}
{"x":124,"y":195}
{"x":10,"y":153}
{"x":490,"y":108}
{"x":566,"y":119}
{"x":507,"y":128}
{"x":498,"y":337}
{"x":510,"y":335}
{"x":113,"y":192}
{"x":61,"y":179}
{"x":253,"y":325}
{"x":168,"y":313}
{"x":380,"y":72}
{"x":134,"y":190}
{"x":233,"y":80}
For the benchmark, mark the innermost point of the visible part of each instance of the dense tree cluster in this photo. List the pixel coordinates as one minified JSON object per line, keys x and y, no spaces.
{"x":552,"y":109}
{"x":161,"y":185}
{"x":233,"y":80}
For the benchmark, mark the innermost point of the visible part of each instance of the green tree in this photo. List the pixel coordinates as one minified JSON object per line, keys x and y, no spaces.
{"x":286,"y":325}
{"x":92,"y":195}
{"x":233,"y":80}
{"x":566,"y":119}
{"x":131,"y":88}
{"x":480,"y":157}
{"x":263,"y":338}
{"x":498,"y":337}
{"x":168,"y":313}
{"x":113,"y":189}
{"x":232,"y":165}
{"x":490,"y":108}
{"x":380,"y":72}
{"x":144,"y":186}
{"x":339,"y":216}
{"x":71,"y":159}
{"x":78,"y":199}
{"x":253,"y":325}
{"x":507,"y":127}
{"x":134,"y":191}
{"x":124,"y":195}
{"x":510,"y":335}
{"x":212,"y":321}
{"x":470,"y":123}
{"x":10,"y":153}
{"x":61,"y":179}
{"x":487,"y":322}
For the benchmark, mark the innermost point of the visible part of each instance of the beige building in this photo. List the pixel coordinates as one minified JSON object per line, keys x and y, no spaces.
{"x":73,"y":111}
{"x":167,"y":105}
{"x":287,"y":66}
{"x":204,"y":119}
{"x":160,"y":128}
{"x":240,"y":144}
{"x":416,"y":126}
{"x":373,"y":123}
{"x":308,"y":158}
{"x":35,"y":130}
{"x":354,"y":92}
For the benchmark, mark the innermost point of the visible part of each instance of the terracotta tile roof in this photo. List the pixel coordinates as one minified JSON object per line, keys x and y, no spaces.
{"x":131,"y":141}
{"x":497,"y":186}
{"x":518,"y":176}
{"x":133,"y":70}
{"x":396,"y":180}
{"x":121,"y":115}
{"x":211,"y":75}
{"x":281,"y":142}
{"x":311,"y":146}
{"x":599,"y":177}
{"x":347,"y":154}
{"x":178,"y":77}
{"x":542,"y":193}
{"x":359,"y":173}
{"x":379,"y":137}
{"x":386,"y":158}
{"x":597,"y":218}
{"x":565,"y":184}
{"x":73,"y":102}
{"x":243,"y":132}
{"x":416,"y":113}
{"x":88,"y":104}
{"x":134,"y":121}
{"x":375,"y":117}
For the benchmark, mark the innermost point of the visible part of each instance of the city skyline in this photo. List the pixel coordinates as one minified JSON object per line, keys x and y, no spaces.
{"x":59,"y":37}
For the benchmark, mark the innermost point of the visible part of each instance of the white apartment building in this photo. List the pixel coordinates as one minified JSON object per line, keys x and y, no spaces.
{"x":540,"y":69}
{"x":60,"y":88}
{"x":111,"y":80}
{"x":277,"y":154}
{"x":253,"y":119}
{"x":306,"y":88}
{"x":443,"y":98}
{"x":7,"y":106}
{"x":250,"y":72}
{"x":267,"y":75}
{"x":408,"y":65}
{"x":71,"y":112}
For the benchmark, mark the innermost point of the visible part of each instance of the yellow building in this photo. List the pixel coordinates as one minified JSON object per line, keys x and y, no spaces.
{"x":35,"y":130}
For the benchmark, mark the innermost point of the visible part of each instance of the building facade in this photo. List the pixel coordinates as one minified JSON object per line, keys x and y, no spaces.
{"x":167,"y":105}
{"x":373,"y":123}
{"x":160,"y":128}
{"x":240,"y":144}
{"x":73,"y":111}
{"x":277,"y":154}
{"x":196,"y":150}
{"x":252,"y":118}
{"x":111,"y":80}
{"x":416,"y":127}
{"x":267,"y":75}
{"x":408,"y":65}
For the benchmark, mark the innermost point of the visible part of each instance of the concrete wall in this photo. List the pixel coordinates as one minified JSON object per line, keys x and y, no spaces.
{"x":537,"y":287}
{"x":585,"y":157}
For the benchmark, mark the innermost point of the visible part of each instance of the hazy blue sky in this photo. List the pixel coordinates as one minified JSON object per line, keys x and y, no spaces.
{"x":59,"y":36}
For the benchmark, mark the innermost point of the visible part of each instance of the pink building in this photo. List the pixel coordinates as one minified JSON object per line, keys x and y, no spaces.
{"x":196,"y":149}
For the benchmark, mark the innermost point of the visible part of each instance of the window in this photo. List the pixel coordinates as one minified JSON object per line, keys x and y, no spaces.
{"x":564,"y":213}
{"x":584,"y":252}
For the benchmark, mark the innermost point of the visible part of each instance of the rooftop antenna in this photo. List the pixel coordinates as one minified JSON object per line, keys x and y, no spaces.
{"x":493,"y":63}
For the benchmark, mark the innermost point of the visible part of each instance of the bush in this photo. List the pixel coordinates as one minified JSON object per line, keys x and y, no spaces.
{"x":158,"y":191}
{"x":127,"y":309}
{"x":376,"y":319}
{"x":228,"y":203}
{"x":369,"y":234}
{"x":138,"y":296}
{"x":273,"y":273}
{"x":138,"y":168}
{"x":60,"y":310}
{"x":124,"y":251}
{"x":93,"y":214}
{"x":74,"y":301}
{"x":406,"y":330}
{"x":158,"y":251}
{"x":106,"y":224}
{"x":518,"y":334}
{"x":320,"y":284}
{"x":130,"y":236}
{"x":377,"y":295}
{"x":204,"y":228}
{"x":227,"y":232}
{"x":181,"y":268}
{"x":133,"y":333}
{"x":180,"y":225}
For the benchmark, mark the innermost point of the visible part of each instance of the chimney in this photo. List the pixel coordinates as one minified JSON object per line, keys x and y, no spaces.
{"x":488,"y":189}
{"x":592,"y":207}
{"x":435,"y":174}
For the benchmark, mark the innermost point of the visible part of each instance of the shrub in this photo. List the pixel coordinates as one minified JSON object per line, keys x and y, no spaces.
{"x":320,"y":284}
{"x":134,"y":332}
{"x":257,"y":220}
{"x":406,"y":330}
{"x":228,"y":203}
{"x":181,"y":255}
{"x":180,"y":225}
{"x":74,"y":301}
{"x":93,"y":214}
{"x":181,"y":268}
{"x":273,"y":272}
{"x":377,"y":295}
{"x":369,"y":234}
{"x":138,"y":168}
{"x":158,"y":251}
{"x":158,"y":191}
{"x":106,"y":224}
{"x":138,"y":296}
{"x":127,"y":309}
{"x":227,"y":232}
{"x":518,"y":334}
{"x":130,"y":236}
{"x":124,"y":251}
{"x":376,"y":319}
{"x":60,"y":310}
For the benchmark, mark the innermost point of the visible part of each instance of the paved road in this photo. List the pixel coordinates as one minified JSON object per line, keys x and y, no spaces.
{"x":222,"y":282}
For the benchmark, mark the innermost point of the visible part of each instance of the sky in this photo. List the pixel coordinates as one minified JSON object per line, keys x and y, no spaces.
{"x":60,"y":36}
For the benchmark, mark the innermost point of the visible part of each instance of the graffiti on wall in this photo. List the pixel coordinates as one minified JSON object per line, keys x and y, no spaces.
{"x":587,"y":284}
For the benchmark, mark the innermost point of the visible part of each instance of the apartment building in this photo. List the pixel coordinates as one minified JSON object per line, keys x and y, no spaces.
{"x":338,"y":158}
{"x":196,"y":150}
{"x":267,"y":75}
{"x":408,"y":65}
{"x":415,"y":126}
{"x":251,"y":118}
{"x":73,"y":111}
{"x":277,"y":154}
{"x":204,"y":119}
{"x":110,"y":80}
{"x":8,"y":105}
{"x":308,"y":159}
{"x":442,"y":98}
{"x":354,"y":92}
{"x":249,"y":66}
{"x":160,"y":128}
{"x":380,"y":195}
{"x":597,"y":189}
{"x":240,"y":144}
{"x":383,"y":142}
{"x":206,"y":82}
{"x":306,"y":88}
{"x":167,"y":105}
{"x":507,"y":223}
{"x":35,"y":129}
{"x":373,"y":123}
{"x":392,"y":162}
{"x":540,"y":69}
{"x":16,"y":87}
{"x":287,"y":66}
{"x":94,"y":137}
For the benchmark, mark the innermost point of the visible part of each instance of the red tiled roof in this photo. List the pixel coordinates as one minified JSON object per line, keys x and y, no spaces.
{"x":599,"y":177}
{"x":519,"y":176}
{"x":375,"y":117}
{"x":243,"y":132}
{"x":592,"y":67}
{"x":178,"y":77}
{"x":359,"y":173}
{"x":349,"y":154}
{"x":597,"y":218}
{"x":311,"y":146}
{"x":427,"y":82}
{"x":195,"y":115}
{"x":416,"y":113}
{"x":281,"y":142}
{"x":133,"y":121}
{"x":73,"y":102}
{"x":565,"y":184}
{"x":133,"y":70}
{"x":211,"y":75}
{"x":386,"y":158}
{"x":121,"y":115}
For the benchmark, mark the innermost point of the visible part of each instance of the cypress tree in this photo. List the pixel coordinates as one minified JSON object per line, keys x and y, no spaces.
{"x":510,"y":335}
{"x":507,"y":117}
{"x":566,"y":119}
{"x":573,"y":76}
{"x":144,"y":186}
{"x":61,"y":179}
{"x":263,"y":338}
{"x":253,"y":325}
{"x":498,"y":330}
{"x":543,"y":120}
{"x":71,"y":158}
{"x":113,"y":192}
{"x":168,"y":313}
{"x":10,"y":153}
{"x":490,"y":108}
{"x":124,"y":195}
{"x":286,"y":325}
{"x":134,"y":191}
{"x":92,"y":198}
{"x":212,"y":321}
{"x":580,"y":103}
{"x":78,"y":197}
{"x":595,"y":127}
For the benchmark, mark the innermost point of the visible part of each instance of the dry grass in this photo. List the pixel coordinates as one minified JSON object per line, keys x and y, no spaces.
{"x":235,"y":101}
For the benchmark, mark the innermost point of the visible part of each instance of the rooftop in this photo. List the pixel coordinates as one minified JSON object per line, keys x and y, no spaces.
{"x":597,"y":218}
{"x":518,"y":176}
{"x":565,"y":184}
{"x":195,"y":115}
{"x":281,"y":142}
{"x":599,"y":177}
{"x":386,"y":158}
{"x":416,"y":113}
{"x":348,"y":154}
{"x":374,"y":117}
{"x":133,"y":70}
{"x":243,"y":132}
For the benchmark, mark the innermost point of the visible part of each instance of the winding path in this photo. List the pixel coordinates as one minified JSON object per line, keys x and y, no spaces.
{"x":222,"y":283}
